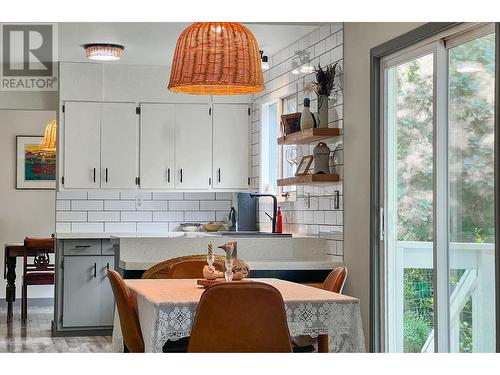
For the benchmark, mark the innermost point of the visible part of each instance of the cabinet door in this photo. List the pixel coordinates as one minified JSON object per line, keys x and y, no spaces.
{"x":193,"y":146}
{"x":119,"y":145}
{"x":157,"y":146}
{"x":230,"y":145}
{"x":107,"y":300}
{"x":81,"y":145}
{"x":81,"y":294}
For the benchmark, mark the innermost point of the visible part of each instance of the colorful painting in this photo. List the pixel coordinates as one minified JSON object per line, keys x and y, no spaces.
{"x":36,"y":165}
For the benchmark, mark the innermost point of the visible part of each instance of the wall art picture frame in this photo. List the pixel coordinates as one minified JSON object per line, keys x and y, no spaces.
{"x":304,"y":165}
{"x":35,"y":166}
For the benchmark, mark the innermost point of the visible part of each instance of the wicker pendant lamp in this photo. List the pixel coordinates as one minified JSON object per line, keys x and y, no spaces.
{"x":216,"y":58}
{"x":49,"y":138}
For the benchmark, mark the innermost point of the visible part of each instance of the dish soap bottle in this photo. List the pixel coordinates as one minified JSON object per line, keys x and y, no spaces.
{"x":279,"y":221}
{"x":232,"y":219}
{"x":307,"y":120}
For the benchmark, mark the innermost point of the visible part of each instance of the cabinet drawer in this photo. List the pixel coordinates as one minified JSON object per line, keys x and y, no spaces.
{"x":82,"y":247}
{"x":107,"y":248}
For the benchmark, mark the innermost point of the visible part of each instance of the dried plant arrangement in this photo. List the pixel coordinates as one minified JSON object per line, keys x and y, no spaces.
{"x":325,"y":79}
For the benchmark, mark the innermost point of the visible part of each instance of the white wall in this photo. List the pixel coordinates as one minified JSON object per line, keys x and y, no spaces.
{"x":23,"y":212}
{"x":359,"y":38}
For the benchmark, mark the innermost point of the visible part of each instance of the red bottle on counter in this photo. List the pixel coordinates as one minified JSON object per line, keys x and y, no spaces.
{"x":279,"y":224}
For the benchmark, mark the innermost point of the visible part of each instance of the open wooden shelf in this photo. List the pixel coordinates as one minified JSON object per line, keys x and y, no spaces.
{"x":308,"y":179}
{"x":308,"y":136}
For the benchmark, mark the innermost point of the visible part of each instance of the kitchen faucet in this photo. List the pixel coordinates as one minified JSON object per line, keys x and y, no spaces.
{"x":275,"y":207}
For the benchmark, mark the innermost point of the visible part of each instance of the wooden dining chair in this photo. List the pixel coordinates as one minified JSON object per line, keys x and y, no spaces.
{"x":185,"y":267}
{"x":129,"y":320}
{"x":243,"y":317}
{"x":37,"y":267}
{"x":334,"y":282}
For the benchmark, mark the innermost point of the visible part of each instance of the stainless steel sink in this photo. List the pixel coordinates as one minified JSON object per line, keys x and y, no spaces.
{"x":253,"y":234}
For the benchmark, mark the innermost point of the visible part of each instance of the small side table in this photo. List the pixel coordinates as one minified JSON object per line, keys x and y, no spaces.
{"x":12,"y":251}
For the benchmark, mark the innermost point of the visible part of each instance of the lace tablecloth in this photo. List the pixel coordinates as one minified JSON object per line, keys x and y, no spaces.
{"x":166,"y":311}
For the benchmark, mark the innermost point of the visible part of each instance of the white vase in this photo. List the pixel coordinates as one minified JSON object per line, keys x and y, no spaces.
{"x":323,"y":111}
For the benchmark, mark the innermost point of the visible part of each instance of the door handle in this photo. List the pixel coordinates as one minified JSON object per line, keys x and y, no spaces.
{"x":95,"y":270}
{"x":218,"y":175}
{"x":168,"y":175}
{"x":107,"y":270}
{"x":106,"y":175}
{"x":181,"y":175}
{"x":94,"y":175}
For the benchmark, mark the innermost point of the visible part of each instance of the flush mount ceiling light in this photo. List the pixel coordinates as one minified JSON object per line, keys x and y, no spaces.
{"x":216,"y":58}
{"x":104,"y":51}
{"x":264,"y":61}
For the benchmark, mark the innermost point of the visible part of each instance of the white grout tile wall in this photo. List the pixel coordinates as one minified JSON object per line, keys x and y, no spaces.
{"x":137,"y":211}
{"x":312,"y":213}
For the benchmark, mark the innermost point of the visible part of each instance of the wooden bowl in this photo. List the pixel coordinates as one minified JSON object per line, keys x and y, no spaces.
{"x":212,"y":227}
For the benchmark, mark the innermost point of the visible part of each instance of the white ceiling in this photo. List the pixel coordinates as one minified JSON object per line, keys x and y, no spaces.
{"x":148,"y":43}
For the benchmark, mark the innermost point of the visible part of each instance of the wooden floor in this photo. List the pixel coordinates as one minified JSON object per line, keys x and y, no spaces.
{"x":35,"y":336}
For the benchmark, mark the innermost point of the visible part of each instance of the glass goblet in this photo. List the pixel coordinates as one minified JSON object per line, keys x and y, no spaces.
{"x":228,"y":275}
{"x":210,"y":261}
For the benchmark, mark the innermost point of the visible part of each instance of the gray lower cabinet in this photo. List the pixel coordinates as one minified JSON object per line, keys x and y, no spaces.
{"x":87,"y":295}
{"x":84,"y":299}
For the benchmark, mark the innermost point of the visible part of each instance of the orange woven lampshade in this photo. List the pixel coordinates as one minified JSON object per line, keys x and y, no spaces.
{"x":50,"y":136}
{"x":216,"y":58}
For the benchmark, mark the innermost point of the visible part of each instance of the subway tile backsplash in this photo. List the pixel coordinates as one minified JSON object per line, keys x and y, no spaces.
{"x":137,"y":211}
{"x":312,"y":212}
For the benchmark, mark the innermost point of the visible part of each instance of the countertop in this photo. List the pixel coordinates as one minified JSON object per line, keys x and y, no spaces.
{"x":77,"y":235}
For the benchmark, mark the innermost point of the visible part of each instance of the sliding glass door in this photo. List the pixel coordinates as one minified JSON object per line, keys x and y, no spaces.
{"x":471,"y":83}
{"x":438,"y":218}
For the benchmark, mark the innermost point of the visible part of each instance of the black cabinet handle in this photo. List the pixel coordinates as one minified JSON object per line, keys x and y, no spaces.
{"x":95,"y":270}
{"x":218,"y":175}
{"x":94,"y":175}
{"x":81,"y":246}
{"x":181,"y":175}
{"x":168,"y":175}
{"x":106,"y":174}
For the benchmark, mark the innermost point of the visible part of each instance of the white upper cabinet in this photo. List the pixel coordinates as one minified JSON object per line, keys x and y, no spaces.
{"x":157,"y":146}
{"x":193,"y":146}
{"x":81,"y":145}
{"x":119,"y":145}
{"x":230,"y":146}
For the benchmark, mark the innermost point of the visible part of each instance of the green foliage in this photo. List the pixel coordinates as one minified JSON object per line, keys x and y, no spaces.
{"x":471,"y":170}
{"x":416,"y":331}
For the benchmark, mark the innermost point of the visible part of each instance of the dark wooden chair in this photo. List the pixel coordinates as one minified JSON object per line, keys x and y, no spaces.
{"x":244,"y":317}
{"x":37,"y":268}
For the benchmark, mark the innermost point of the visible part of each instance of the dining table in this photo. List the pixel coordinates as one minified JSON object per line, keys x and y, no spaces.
{"x":166,"y":310}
